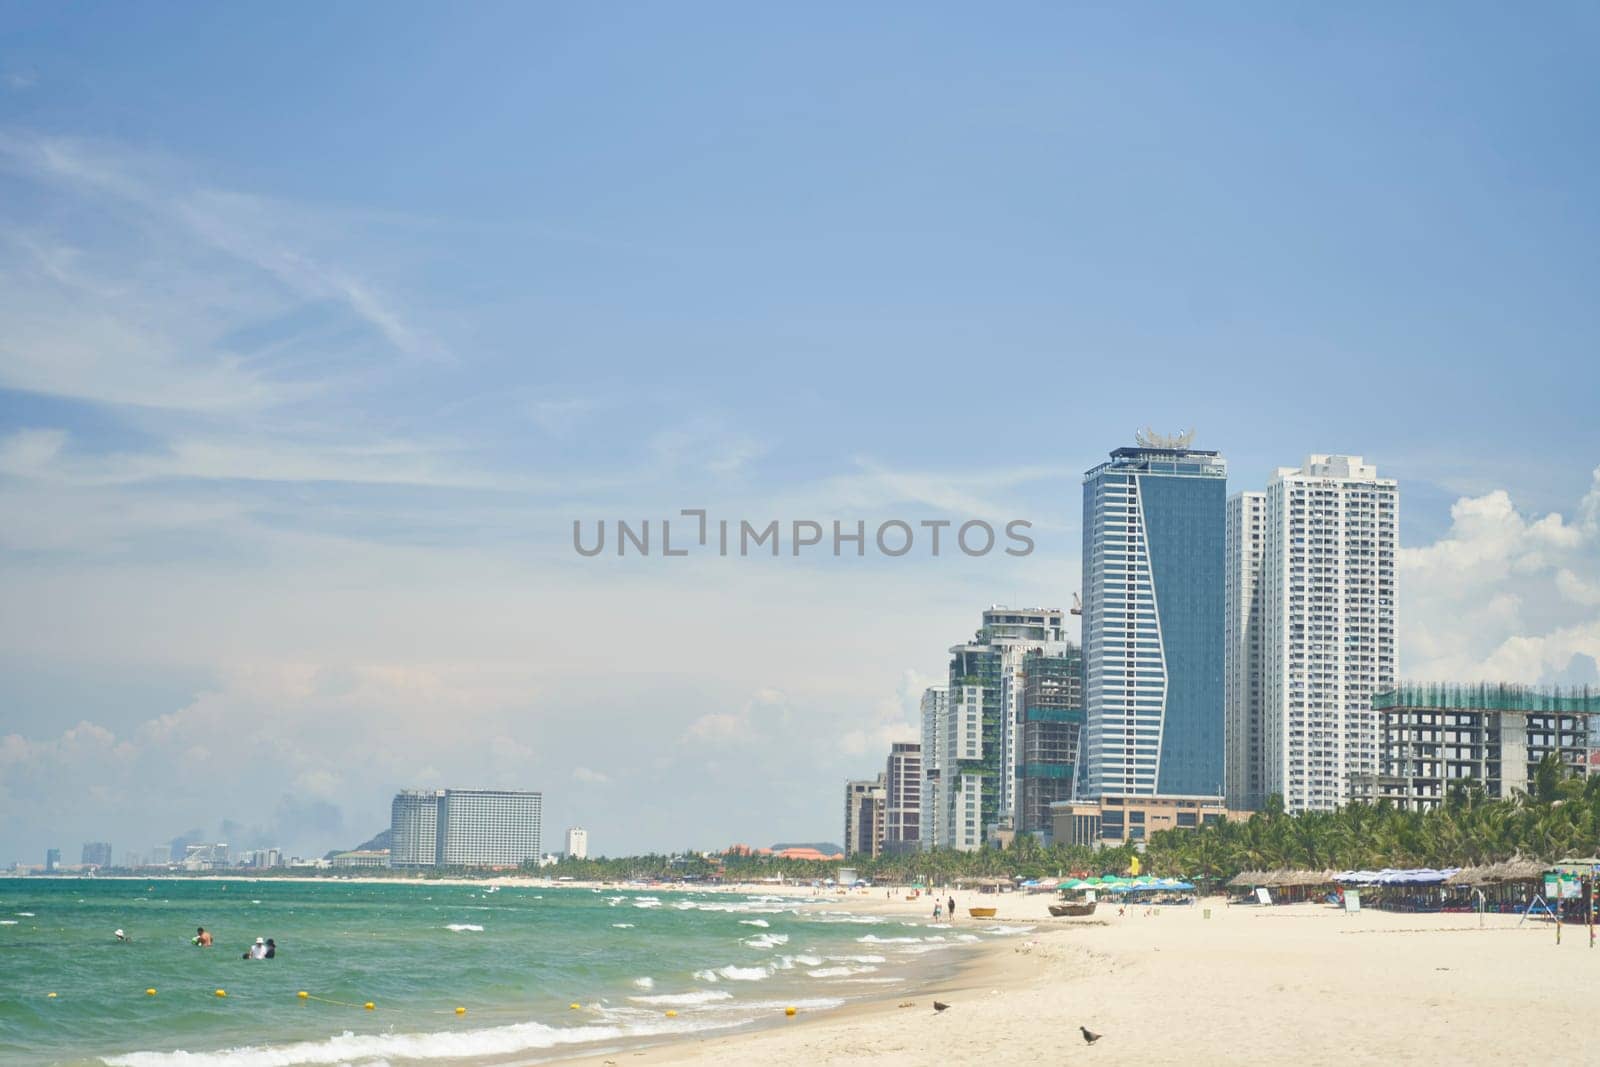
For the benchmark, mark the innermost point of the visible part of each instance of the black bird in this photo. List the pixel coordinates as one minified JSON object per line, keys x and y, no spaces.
{"x":939,"y":1005}
{"x":1089,"y":1036}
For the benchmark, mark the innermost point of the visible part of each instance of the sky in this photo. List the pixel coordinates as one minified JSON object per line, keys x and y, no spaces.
{"x":321,"y":325}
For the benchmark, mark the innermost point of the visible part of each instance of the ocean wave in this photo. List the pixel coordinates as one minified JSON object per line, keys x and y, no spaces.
{"x":684,"y":1000}
{"x":839,"y":972}
{"x":874,"y":939}
{"x":1002,"y":929}
{"x":766,"y":940}
{"x":462,"y":928}
{"x":734,"y":973}
{"x":856,"y":959}
{"x":642,"y":902}
{"x":754,"y":922}
{"x":368,"y":1050}
{"x":30,"y":915}
{"x":622,"y":926}
{"x":644,"y":983}
{"x":8,"y":922}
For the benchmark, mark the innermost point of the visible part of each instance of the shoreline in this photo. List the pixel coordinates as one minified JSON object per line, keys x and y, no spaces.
{"x":1300,"y":983}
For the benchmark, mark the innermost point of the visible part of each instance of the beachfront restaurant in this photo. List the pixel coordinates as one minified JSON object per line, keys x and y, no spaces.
{"x":1282,"y":886}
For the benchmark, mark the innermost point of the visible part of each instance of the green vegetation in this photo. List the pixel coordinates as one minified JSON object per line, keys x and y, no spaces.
{"x":1560,"y":817}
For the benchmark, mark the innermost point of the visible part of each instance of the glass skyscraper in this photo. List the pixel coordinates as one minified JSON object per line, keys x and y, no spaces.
{"x":1153,"y":621}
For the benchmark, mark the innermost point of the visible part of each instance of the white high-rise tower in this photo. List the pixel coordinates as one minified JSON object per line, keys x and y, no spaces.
{"x":1328,"y":610}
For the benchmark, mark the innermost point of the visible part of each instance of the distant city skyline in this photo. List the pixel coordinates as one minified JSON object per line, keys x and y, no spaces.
{"x":304,"y":376}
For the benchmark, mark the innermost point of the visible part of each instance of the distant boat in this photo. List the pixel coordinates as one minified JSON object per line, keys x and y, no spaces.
{"x":1081,"y":908}
{"x":981,"y":913}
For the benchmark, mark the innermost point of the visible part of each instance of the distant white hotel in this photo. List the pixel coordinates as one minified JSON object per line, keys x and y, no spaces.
{"x":577,"y":843}
{"x":1310,"y":631}
{"x":464,"y":828}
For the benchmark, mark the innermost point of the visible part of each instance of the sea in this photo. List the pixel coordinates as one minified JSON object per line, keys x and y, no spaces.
{"x":542,"y":972}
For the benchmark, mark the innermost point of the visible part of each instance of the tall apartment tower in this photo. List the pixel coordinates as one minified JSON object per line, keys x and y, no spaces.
{"x":902,"y":798}
{"x":577,"y":843}
{"x":935,"y":710}
{"x":414,"y":828}
{"x":1049,"y":728}
{"x":1244,"y":772}
{"x":978,"y":736}
{"x":464,"y":827}
{"x":1328,"y":589}
{"x":489,"y":827}
{"x":1153,"y":620}
{"x":863,"y":816}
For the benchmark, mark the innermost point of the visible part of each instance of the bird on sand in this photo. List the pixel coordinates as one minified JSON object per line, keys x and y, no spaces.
{"x":939,"y":1005}
{"x":1089,"y":1036}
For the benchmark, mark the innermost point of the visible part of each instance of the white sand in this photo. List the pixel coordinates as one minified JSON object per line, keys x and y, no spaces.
{"x":1302,"y":984}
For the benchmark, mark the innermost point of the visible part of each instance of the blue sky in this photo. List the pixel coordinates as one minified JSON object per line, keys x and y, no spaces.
{"x":319,"y":326}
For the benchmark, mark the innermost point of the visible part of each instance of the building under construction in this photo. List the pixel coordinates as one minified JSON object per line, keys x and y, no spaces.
{"x":1433,"y":737}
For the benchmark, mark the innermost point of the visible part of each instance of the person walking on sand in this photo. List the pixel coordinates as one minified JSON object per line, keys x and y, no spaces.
{"x":952,"y":911}
{"x":937,"y":911}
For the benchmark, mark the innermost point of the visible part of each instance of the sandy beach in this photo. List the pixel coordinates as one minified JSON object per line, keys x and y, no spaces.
{"x":1301,"y":983}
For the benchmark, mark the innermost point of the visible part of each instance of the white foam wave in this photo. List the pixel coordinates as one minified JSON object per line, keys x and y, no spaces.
{"x":463,"y":928}
{"x":734,"y":973}
{"x":839,"y":972}
{"x":643,"y":903}
{"x":1002,"y":929}
{"x":874,"y":939}
{"x":755,"y":922}
{"x":685,"y":1000}
{"x":644,"y":983}
{"x":767,"y":940}
{"x":8,"y":922}
{"x":622,"y":926}
{"x":370,"y":1050}
{"x":856,"y":959}
{"x":30,"y":915}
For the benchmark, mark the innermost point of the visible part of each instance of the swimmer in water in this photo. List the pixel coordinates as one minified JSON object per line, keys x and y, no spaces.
{"x":121,"y":937}
{"x":201,"y":938}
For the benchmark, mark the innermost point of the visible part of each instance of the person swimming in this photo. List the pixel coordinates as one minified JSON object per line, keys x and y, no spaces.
{"x":272,"y":949}
{"x":201,"y":938}
{"x":257,"y":951}
{"x":121,"y":937}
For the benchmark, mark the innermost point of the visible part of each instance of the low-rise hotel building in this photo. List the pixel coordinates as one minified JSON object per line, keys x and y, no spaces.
{"x":1115,"y":819}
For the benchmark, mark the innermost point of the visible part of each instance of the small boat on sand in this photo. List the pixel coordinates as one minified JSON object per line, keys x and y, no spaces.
{"x":981,"y":913}
{"x":1085,"y":907}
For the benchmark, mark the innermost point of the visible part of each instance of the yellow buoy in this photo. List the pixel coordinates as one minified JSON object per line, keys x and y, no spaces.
{"x":788,"y":1011}
{"x":49,"y":996}
{"x":461,"y":1011}
{"x":149,"y":992}
{"x":369,"y":1005}
{"x":303,"y":995}
{"x":222,"y":992}
{"x":573,"y":1005}
{"x":671,"y":1014}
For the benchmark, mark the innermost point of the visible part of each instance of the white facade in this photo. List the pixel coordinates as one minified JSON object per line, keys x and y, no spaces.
{"x":577,"y":843}
{"x":1328,"y":615}
{"x":1244,"y":769}
{"x":489,"y":827}
{"x":464,"y":827}
{"x":935,"y":709}
{"x":961,"y":794}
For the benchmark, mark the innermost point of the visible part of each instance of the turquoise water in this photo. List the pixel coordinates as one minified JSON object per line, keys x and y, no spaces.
{"x":515,"y":958}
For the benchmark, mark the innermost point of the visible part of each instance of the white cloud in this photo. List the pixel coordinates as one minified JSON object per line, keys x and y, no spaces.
{"x":1503,"y":596}
{"x":589,"y":776}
